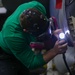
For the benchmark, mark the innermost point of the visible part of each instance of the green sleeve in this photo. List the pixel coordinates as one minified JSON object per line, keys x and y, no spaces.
{"x":23,"y":52}
{"x":16,"y":42}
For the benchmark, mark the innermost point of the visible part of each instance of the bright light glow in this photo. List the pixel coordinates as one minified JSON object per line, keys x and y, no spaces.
{"x":67,"y":31}
{"x":3,"y":10}
{"x":61,"y":35}
{"x":50,"y":31}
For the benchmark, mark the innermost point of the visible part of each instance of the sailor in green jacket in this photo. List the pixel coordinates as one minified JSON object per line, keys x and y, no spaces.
{"x":16,"y":35}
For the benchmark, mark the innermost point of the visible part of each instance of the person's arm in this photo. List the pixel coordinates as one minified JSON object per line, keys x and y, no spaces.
{"x":23,"y":52}
{"x":58,"y":49}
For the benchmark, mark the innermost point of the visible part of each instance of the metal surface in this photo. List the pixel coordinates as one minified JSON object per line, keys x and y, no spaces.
{"x":62,"y":15}
{"x":70,"y":58}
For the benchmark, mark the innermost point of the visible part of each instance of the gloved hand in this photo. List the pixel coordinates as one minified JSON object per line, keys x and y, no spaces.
{"x":49,"y":42}
{"x":60,"y":47}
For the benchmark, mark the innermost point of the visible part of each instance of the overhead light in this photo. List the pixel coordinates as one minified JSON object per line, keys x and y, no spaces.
{"x":3,"y":10}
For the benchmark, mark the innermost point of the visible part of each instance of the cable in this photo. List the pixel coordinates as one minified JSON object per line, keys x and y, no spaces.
{"x":64,"y":58}
{"x":70,"y":2}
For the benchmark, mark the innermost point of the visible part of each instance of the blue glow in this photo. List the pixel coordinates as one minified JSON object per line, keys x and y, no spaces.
{"x":67,"y":31}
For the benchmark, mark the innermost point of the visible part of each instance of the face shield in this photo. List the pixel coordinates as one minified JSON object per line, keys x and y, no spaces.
{"x":34,"y":22}
{"x":41,"y":27}
{"x":64,"y":35}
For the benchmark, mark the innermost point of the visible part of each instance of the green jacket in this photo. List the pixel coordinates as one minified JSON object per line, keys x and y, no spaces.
{"x":14,"y":41}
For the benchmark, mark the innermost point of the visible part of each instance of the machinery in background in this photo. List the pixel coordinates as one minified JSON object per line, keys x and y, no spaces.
{"x":66,"y":21}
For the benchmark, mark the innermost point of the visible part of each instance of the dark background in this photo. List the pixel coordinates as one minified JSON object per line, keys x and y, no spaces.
{"x":11,"y":5}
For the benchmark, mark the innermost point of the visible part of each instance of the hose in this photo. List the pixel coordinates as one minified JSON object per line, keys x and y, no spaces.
{"x":64,"y":58}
